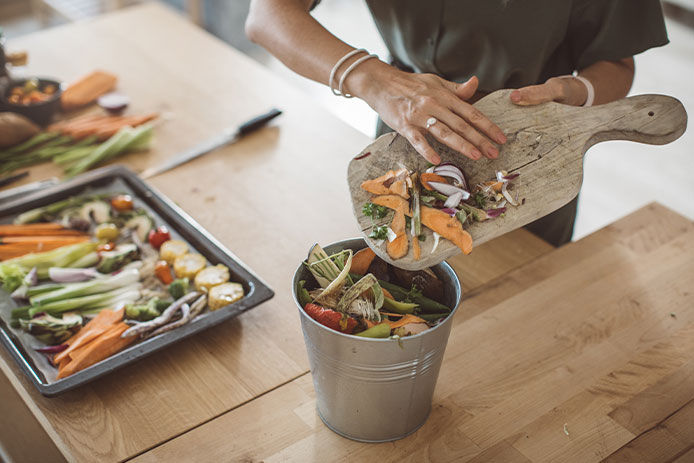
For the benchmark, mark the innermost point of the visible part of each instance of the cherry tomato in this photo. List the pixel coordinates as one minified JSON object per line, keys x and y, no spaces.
{"x":163,"y":272}
{"x":122,"y":203}
{"x":158,"y":237}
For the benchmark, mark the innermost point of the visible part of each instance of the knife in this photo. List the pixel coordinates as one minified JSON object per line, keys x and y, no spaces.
{"x":229,"y":136}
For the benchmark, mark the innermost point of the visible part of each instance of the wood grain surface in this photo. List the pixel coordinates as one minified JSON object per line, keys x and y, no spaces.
{"x":546,"y":145}
{"x":583,"y":354}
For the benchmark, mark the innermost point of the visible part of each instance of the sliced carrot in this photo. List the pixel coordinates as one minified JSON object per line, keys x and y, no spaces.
{"x":97,"y":350}
{"x":43,"y":239}
{"x":392,"y":202}
{"x":387,"y":294}
{"x":87,"y":89}
{"x":416,"y":248}
{"x":96,"y":326}
{"x":399,"y":187}
{"x":381,"y":185}
{"x":10,"y":251}
{"x":399,"y":246}
{"x":40,"y":232}
{"x":434,"y":219}
{"x":30,"y":226}
{"x":427,"y":177}
{"x":405,"y":320}
{"x":361,"y":260}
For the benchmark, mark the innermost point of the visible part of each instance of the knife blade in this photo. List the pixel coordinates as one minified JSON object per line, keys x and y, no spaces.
{"x":227,"y":137}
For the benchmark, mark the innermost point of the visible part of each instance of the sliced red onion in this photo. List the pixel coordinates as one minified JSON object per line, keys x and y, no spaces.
{"x":450,"y":211}
{"x":448,"y":190}
{"x":453,"y":200}
{"x":507,"y":195}
{"x":499,"y":176}
{"x":391,"y":235}
{"x":113,"y":102}
{"x":453,"y":169}
{"x":71,"y":275}
{"x":31,"y":278}
{"x":436,"y":242}
{"x":52,"y":349}
{"x":511,"y":176}
{"x":494,"y":213}
{"x":430,"y":169}
{"x":20,"y":294}
{"x":450,"y":174}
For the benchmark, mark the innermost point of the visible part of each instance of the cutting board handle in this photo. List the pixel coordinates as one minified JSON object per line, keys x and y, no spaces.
{"x":652,"y":119}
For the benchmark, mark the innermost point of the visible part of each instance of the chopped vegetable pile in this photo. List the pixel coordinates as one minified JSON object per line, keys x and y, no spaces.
{"x":439,"y":199}
{"x":360,"y":294}
{"x":101,"y":257}
{"x":31,"y":92}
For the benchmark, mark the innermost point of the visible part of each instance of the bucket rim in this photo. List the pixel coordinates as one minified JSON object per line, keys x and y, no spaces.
{"x":346,"y":242}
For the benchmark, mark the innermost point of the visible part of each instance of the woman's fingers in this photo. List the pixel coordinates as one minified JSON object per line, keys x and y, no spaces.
{"x":445,"y":135}
{"x":419,"y":142}
{"x":536,"y":94}
{"x":466,"y":133}
{"x":477,"y":120}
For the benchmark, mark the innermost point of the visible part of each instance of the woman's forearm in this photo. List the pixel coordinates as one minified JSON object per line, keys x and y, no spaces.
{"x":287,"y":30}
{"x":611,"y":79}
{"x":412,"y":104}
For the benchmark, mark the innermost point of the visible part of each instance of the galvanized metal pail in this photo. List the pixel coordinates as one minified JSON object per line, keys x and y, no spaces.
{"x":375,"y":390}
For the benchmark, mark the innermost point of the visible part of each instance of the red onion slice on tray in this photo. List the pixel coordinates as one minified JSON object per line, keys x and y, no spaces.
{"x":450,"y":211}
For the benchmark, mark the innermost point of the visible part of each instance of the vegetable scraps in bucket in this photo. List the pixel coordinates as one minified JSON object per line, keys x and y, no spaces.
{"x":440,"y":199}
{"x":360,"y":294}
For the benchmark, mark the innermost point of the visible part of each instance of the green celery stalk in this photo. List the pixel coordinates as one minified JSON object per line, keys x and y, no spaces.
{"x":30,"y":143}
{"x":91,"y":301}
{"x":85,"y":288}
{"x":58,"y":257}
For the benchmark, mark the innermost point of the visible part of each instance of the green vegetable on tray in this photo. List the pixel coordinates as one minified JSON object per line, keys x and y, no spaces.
{"x":52,"y":330}
{"x":179,"y":287}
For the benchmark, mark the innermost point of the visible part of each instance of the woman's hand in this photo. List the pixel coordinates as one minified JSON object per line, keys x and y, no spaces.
{"x":566,"y":90}
{"x":406,"y":101}
{"x":611,"y":80}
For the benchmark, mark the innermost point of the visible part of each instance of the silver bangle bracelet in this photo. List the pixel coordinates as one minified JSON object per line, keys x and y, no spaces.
{"x":341,"y":61}
{"x":350,"y":69}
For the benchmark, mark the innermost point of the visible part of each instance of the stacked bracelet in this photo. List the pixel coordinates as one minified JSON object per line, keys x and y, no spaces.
{"x":339,"y":91}
{"x":589,"y":87}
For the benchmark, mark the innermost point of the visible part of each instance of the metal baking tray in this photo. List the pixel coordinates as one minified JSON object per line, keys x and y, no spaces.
{"x":165,"y":212}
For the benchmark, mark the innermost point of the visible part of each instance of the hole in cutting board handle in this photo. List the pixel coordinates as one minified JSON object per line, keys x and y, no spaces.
{"x":651,"y":113}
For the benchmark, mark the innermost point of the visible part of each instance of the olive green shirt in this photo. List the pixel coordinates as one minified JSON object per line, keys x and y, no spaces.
{"x":513,"y":43}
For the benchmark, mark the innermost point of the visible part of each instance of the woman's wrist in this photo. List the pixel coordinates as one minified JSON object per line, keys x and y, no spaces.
{"x":575,"y":92}
{"x":367,"y":79}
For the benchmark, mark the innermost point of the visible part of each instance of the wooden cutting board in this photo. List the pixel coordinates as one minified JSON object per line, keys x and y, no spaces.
{"x":546,"y":145}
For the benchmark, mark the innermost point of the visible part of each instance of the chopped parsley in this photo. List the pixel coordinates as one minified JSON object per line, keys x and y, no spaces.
{"x":379,"y":233}
{"x":374,"y":211}
{"x":480,"y":199}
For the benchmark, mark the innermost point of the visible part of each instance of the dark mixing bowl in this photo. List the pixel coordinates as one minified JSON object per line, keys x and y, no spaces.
{"x":41,"y":112}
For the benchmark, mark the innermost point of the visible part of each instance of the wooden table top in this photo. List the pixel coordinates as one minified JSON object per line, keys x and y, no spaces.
{"x":597,"y":335}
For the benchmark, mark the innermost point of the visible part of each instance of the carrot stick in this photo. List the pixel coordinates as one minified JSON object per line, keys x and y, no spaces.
{"x":97,"y":350}
{"x":9,"y":251}
{"x":40,"y":232}
{"x":105,"y":319}
{"x":31,"y":226}
{"x":43,"y":239}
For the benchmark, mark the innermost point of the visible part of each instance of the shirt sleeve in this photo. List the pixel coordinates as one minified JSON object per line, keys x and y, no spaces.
{"x":609,"y":30}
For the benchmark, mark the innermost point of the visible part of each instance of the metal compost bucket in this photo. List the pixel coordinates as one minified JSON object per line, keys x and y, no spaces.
{"x":375,"y":390}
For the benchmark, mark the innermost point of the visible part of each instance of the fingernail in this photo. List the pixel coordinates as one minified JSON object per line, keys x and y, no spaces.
{"x":515,"y":96}
{"x":493,"y":152}
{"x":501,"y":138}
{"x":476,"y":154}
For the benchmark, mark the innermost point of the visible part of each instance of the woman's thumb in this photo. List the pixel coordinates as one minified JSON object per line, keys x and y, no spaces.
{"x":466,"y":90}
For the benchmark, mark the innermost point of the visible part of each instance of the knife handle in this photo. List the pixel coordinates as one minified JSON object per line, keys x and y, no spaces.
{"x":258,"y":122}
